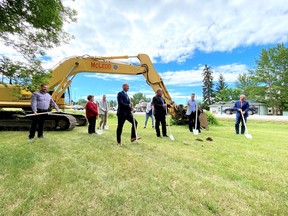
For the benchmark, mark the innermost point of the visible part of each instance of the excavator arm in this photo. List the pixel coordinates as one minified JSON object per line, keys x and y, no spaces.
{"x":66,"y":70}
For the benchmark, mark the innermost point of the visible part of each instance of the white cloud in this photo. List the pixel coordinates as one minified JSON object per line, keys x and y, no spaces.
{"x":194,"y":77}
{"x":230,"y":72}
{"x":173,"y":31}
{"x":169,"y":29}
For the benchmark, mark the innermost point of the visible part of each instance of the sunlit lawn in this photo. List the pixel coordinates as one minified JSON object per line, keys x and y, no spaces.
{"x":73,"y":173}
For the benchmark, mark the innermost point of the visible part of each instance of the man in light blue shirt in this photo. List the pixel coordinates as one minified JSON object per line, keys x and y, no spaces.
{"x":149,"y":113}
{"x":191,"y":113}
{"x":40,"y":102}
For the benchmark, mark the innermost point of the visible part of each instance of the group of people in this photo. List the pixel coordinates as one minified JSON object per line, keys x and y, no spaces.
{"x":93,"y":110}
{"x":158,"y":108}
{"x":42,"y":101}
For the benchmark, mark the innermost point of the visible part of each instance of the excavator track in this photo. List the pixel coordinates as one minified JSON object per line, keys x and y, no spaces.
{"x":17,"y":120}
{"x":80,"y":119}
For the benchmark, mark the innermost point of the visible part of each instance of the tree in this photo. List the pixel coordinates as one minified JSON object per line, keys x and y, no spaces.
{"x":112,"y":103}
{"x":20,"y":73}
{"x":220,"y":86}
{"x":221,"y":83}
{"x":135,"y":99}
{"x":31,"y":27}
{"x":207,"y":89}
{"x":81,"y":101}
{"x":228,"y":94}
{"x":247,"y":85}
{"x":271,"y":76}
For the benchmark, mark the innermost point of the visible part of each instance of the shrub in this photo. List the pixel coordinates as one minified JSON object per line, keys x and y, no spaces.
{"x":212,"y":120}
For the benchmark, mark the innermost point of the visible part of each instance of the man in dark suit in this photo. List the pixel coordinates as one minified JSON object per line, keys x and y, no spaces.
{"x":241,"y":106}
{"x":160,"y":109}
{"x":124,"y":113}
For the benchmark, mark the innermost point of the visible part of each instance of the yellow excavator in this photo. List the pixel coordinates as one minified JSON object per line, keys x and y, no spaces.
{"x":62,"y":76}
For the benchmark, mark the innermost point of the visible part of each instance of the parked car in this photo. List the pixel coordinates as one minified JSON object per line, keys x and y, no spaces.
{"x":252,"y":110}
{"x":78,"y":107}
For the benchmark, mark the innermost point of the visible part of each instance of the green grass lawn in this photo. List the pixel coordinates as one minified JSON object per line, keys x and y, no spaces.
{"x":73,"y":173}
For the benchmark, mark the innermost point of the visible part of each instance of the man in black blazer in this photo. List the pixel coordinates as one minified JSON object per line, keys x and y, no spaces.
{"x":124,"y":113}
{"x":160,"y":108}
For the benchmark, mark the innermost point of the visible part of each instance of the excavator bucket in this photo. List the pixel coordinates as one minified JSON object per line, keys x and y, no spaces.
{"x":203,"y":120}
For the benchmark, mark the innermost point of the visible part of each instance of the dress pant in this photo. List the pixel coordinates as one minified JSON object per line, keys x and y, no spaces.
{"x":92,"y":124}
{"x":103,"y":120}
{"x":160,"y":119}
{"x":192,"y":121}
{"x":237,"y":123}
{"x":121,"y":121}
{"x":37,"y":124}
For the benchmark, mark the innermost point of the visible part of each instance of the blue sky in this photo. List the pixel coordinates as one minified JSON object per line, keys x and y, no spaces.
{"x":180,"y":38}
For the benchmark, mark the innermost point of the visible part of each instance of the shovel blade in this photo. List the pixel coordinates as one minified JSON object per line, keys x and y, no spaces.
{"x":195,"y":132}
{"x":99,"y":132}
{"x":249,"y":136}
{"x":171,"y":137}
{"x":106,"y":127}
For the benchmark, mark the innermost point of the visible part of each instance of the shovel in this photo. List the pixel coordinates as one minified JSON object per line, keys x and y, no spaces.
{"x":134,"y":125}
{"x":99,"y":130}
{"x":195,"y":130}
{"x":169,"y":127}
{"x":43,"y":113}
{"x":106,"y":127}
{"x":249,"y":136}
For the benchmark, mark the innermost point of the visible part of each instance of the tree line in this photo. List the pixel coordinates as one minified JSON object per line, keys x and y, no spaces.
{"x":135,"y":99}
{"x":267,"y":83}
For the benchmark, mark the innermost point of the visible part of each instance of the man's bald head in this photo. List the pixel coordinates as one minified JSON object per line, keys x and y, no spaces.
{"x":125,"y":87}
{"x":242,"y":97}
{"x":159,"y":91}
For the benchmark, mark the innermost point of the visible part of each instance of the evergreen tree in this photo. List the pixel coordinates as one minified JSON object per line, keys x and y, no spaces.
{"x":221,"y":83}
{"x":220,"y":86}
{"x":207,"y":89}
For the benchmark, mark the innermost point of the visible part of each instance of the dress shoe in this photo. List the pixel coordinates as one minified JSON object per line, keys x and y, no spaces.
{"x":134,"y":139}
{"x":165,"y":136}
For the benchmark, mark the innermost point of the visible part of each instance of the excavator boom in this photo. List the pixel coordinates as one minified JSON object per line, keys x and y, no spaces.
{"x":66,"y":70}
